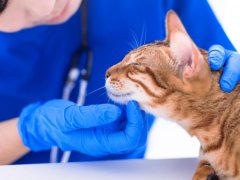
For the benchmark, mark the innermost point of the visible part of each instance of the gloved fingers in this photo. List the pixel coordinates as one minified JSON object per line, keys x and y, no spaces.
{"x":144,"y":135}
{"x":135,"y":123}
{"x":129,"y":138}
{"x":217,"y":57}
{"x":231,"y":73}
{"x":90,"y":116}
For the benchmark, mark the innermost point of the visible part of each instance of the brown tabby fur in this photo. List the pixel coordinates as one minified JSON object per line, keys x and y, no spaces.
{"x":172,"y":79}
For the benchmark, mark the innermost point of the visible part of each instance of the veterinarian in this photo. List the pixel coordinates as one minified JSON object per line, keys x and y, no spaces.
{"x":36,"y":56}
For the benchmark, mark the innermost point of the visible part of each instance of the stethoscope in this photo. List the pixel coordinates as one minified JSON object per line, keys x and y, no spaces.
{"x":79,"y":72}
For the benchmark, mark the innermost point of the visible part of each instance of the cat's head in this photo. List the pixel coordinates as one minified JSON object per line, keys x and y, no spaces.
{"x":151,"y":72}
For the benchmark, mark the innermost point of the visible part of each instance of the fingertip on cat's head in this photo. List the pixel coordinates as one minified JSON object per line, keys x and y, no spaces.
{"x":226,"y":86}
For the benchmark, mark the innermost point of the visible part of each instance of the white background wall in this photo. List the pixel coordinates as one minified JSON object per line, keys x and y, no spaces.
{"x":168,"y":140}
{"x":228,"y":13}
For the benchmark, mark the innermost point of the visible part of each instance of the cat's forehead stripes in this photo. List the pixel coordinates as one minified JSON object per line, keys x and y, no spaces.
{"x":151,"y":52}
{"x":134,"y":57}
{"x":162,"y":43}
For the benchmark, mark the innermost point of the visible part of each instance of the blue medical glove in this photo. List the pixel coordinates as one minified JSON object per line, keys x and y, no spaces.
{"x":96,"y":130}
{"x":219,"y":57}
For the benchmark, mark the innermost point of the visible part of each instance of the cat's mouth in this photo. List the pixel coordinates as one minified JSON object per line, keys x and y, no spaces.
{"x":119,"y":97}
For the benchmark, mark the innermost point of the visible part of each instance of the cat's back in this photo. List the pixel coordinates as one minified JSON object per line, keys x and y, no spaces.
{"x":230,"y":130}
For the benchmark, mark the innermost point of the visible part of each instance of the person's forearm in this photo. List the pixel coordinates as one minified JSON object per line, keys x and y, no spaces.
{"x":11,"y":146}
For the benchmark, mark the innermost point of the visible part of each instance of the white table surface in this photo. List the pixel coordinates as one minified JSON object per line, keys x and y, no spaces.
{"x":171,"y":169}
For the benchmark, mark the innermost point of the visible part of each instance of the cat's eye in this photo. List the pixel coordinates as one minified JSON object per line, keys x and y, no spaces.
{"x":3,"y":4}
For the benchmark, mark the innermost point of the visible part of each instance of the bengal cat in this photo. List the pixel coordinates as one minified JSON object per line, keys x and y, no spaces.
{"x":172,"y":79}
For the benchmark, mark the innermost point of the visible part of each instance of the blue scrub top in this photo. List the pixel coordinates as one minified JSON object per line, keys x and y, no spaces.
{"x":34,"y":62}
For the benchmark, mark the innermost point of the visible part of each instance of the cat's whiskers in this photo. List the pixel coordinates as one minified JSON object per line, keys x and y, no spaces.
{"x":143,"y":35}
{"x":102,"y":94}
{"x":141,"y":39}
{"x":96,"y":90}
{"x":131,"y":45}
{"x":145,"y":38}
{"x":135,"y":39}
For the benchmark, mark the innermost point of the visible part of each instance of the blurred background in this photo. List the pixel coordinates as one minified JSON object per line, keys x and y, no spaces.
{"x":168,"y":140}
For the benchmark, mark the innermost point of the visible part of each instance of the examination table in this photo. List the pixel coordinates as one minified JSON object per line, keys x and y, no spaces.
{"x":165,"y":169}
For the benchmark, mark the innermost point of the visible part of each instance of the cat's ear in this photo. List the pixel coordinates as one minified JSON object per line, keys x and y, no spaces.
{"x":182,"y":47}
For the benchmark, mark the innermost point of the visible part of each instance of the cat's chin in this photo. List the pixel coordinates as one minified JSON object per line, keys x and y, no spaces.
{"x":120,"y":98}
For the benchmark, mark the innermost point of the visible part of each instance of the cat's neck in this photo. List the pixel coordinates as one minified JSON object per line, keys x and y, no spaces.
{"x":203,"y":116}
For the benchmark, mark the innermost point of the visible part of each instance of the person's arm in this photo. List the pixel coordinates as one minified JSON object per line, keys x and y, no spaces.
{"x":11,"y":146}
{"x":95,"y":130}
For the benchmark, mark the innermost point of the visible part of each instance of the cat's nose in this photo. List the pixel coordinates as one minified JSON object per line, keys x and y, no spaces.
{"x":108,"y":74}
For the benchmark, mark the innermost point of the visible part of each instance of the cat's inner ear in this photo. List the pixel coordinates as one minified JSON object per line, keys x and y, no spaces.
{"x":182,"y":47}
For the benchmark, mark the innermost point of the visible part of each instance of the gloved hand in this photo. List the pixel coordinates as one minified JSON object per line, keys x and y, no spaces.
{"x":219,"y":57}
{"x":96,"y":130}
